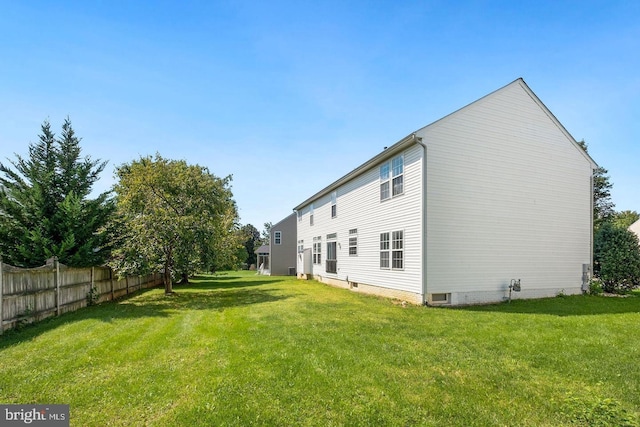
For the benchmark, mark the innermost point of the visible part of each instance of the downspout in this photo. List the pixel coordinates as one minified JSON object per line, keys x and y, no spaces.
{"x":423,"y":217}
{"x":591,"y":228}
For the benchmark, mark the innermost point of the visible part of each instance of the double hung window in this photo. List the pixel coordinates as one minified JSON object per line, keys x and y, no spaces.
{"x":392,"y":178}
{"x":392,"y":250}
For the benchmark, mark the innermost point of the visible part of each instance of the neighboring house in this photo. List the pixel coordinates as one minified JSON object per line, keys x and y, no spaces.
{"x":283,"y":247}
{"x":635,"y":228}
{"x":454,"y":213}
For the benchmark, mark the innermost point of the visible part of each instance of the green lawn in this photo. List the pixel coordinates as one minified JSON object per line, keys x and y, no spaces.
{"x":240,"y":349}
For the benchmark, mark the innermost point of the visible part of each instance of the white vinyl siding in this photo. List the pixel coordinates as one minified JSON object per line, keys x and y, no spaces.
{"x":508,"y":197}
{"x":360,"y":209}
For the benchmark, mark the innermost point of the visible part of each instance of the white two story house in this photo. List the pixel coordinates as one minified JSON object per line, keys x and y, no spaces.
{"x":493,"y":195}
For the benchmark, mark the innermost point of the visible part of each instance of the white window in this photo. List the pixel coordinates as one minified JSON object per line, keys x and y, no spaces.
{"x":317,"y":250}
{"x":277,"y":237}
{"x":392,"y":178}
{"x":300,"y":246}
{"x":353,"y":242}
{"x":397,"y":171}
{"x":392,"y":250}
{"x":384,"y":250}
{"x":311,"y":214}
{"x":397,"y":250}
{"x":384,"y":181}
{"x":334,"y":210}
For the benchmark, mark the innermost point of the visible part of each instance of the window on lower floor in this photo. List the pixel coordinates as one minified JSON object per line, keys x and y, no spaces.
{"x":397,"y":250}
{"x":317,"y":250}
{"x":392,"y":250}
{"x":332,"y":258}
{"x":353,"y":242}
{"x":384,"y":250}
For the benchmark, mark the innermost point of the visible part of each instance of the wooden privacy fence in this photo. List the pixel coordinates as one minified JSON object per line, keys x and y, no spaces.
{"x":32,"y":294}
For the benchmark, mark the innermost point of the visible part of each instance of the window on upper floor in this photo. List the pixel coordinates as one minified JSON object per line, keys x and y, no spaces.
{"x":277,"y":237}
{"x":397,"y":173}
{"x":311,"y":214}
{"x":392,"y":178}
{"x":334,"y":208}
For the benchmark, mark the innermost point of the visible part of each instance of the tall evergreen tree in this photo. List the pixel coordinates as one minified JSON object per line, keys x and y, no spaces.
{"x":603,"y":206}
{"x":45,"y":209}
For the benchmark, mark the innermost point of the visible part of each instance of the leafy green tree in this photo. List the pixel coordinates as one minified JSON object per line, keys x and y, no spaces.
{"x":266,"y":233}
{"x":616,"y":258}
{"x":624,"y":219}
{"x":603,"y":206}
{"x":251,"y":241}
{"x":172,"y":217}
{"x":45,"y":209}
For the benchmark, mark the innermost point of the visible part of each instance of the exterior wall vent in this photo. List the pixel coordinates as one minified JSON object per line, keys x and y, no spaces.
{"x":436,"y":299}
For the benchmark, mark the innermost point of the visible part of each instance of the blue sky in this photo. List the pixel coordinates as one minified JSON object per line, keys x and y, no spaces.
{"x":289,"y":96}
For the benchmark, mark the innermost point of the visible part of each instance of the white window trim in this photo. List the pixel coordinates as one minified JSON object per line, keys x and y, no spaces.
{"x":389,"y":177}
{"x":387,"y":250}
{"x":277,"y":237}
{"x":353,"y":234}
{"x":317,"y":251}
{"x":393,"y":250}
{"x":390,"y":250}
{"x":334,"y":204}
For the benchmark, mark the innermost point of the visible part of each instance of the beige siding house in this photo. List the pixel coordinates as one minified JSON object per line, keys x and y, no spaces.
{"x":283,"y":247}
{"x":459,"y":210}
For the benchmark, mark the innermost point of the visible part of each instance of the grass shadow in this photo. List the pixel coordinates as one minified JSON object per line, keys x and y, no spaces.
{"x":574,"y":305}
{"x":208,"y":294}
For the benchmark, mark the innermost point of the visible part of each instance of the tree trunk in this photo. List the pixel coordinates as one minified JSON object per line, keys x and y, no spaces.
{"x":168,"y":285}
{"x":184,"y":279}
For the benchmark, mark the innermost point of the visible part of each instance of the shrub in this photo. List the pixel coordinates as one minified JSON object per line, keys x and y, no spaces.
{"x":616,"y":258}
{"x":595,"y":287}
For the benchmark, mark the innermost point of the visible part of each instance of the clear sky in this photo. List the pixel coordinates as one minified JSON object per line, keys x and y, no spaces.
{"x":288,"y":96}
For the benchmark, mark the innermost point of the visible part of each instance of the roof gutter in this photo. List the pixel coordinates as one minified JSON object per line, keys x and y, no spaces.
{"x":388,"y":152}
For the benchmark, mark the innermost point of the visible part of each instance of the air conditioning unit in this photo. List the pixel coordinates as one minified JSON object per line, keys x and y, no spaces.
{"x":292,"y":271}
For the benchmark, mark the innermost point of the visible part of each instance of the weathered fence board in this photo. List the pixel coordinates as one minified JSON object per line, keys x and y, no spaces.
{"x":32,"y":294}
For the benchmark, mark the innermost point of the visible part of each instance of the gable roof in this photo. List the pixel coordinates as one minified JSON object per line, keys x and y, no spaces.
{"x":413,"y":139}
{"x":264,"y":249}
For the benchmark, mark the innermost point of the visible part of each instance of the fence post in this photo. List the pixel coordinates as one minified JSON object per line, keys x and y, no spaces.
{"x":111,"y":281}
{"x":126,"y":280}
{"x":1,"y":292}
{"x":92,"y":286}
{"x":56,"y":280}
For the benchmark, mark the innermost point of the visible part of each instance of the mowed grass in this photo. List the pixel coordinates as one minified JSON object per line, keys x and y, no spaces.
{"x":238,"y":349}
